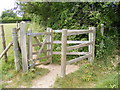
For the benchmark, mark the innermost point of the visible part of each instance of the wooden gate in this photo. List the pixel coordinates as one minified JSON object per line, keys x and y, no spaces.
{"x":35,"y":56}
{"x":28,"y":55}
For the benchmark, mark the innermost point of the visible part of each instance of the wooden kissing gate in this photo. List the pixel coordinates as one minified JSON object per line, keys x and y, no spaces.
{"x":27,"y":53}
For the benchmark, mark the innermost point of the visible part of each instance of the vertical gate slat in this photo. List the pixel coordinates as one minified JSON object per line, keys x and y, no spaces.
{"x":23,"y":46}
{"x":63,"y":52}
{"x":30,"y":52}
{"x":49,"y":46}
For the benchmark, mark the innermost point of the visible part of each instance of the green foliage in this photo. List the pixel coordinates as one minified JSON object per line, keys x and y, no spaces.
{"x":8,"y":13}
{"x":109,"y":81}
{"x":79,"y":15}
{"x":103,"y":51}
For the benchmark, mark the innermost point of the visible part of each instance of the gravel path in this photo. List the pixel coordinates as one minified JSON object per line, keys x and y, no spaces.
{"x":48,"y":80}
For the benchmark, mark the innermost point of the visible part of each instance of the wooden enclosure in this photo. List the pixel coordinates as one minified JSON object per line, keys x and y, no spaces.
{"x":30,"y":56}
{"x":27,"y":48}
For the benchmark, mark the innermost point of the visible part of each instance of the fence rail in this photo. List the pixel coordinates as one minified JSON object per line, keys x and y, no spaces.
{"x":37,"y":34}
{"x":73,"y":53}
{"x":78,"y":59}
{"x":70,"y":42}
{"x":28,"y":53}
{"x":80,"y":45}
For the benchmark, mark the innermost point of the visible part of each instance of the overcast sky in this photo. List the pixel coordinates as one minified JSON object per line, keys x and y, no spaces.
{"x":6,"y":4}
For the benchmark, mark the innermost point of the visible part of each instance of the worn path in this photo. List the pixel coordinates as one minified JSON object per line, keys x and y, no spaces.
{"x":48,"y":80}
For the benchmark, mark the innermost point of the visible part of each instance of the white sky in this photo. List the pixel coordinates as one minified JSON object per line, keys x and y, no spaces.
{"x":6,"y":4}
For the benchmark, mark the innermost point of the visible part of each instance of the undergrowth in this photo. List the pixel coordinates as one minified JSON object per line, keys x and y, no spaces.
{"x":90,"y":76}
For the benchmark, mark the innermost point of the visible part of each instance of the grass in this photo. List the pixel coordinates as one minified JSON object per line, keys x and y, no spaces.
{"x":90,"y":76}
{"x":9,"y":77}
{"x":13,"y":79}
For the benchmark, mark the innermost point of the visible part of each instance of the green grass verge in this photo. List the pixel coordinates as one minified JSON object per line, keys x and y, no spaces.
{"x":90,"y":76}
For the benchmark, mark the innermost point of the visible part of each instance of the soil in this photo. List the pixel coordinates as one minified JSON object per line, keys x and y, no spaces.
{"x":48,"y":80}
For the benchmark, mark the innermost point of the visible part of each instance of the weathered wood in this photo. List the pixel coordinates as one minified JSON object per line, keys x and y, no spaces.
{"x":16,"y":49}
{"x":6,"y":49}
{"x":23,"y":46}
{"x":102,"y":33}
{"x":36,"y":44}
{"x":45,"y":57}
{"x":91,"y":46}
{"x":43,"y":51}
{"x":3,"y":41}
{"x":79,"y":32}
{"x":60,"y":31}
{"x":63,"y":52}
{"x":46,"y":62}
{"x":30,"y":49}
{"x":71,"y":42}
{"x":37,"y":34}
{"x":72,"y":53}
{"x":17,"y":24}
{"x":78,"y":59}
{"x":78,"y":46}
{"x":49,"y":46}
{"x":39,"y":52}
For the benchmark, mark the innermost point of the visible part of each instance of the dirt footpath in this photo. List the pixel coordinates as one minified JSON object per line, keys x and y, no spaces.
{"x":48,"y":80}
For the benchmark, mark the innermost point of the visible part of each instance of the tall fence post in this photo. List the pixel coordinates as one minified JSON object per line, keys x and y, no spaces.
{"x":91,"y":46}
{"x":63,"y":52}
{"x":3,"y":41}
{"x":49,"y":46}
{"x":17,"y":24}
{"x":102,"y":33}
{"x":23,"y":46}
{"x":16,"y":49}
{"x":30,"y":55}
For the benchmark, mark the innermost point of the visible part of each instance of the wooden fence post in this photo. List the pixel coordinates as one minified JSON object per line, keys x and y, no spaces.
{"x":102,"y":33}
{"x":91,"y":46}
{"x":30,"y":55}
{"x":63,"y":52}
{"x":49,"y":46}
{"x":16,"y":49}
{"x":23,"y":46}
{"x":3,"y":41}
{"x":17,"y":24}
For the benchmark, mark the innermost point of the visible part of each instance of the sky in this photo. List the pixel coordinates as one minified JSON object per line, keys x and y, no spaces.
{"x":6,"y":4}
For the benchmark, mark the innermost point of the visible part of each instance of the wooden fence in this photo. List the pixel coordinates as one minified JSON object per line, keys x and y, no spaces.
{"x":27,"y":48}
{"x":64,"y":48}
{"x":27,"y":45}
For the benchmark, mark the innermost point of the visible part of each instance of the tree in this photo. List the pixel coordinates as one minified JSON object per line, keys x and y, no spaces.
{"x":8,"y":13}
{"x":78,"y":15}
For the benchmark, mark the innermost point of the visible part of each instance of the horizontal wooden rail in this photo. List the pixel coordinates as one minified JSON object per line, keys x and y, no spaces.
{"x":37,"y":34}
{"x":40,"y":44}
{"x":70,"y":42}
{"x":74,"y":30}
{"x":46,"y":62}
{"x":43,"y":51}
{"x":79,"y":32}
{"x":73,"y":53}
{"x":78,"y":46}
{"x":78,"y":59}
{"x":46,"y":57}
